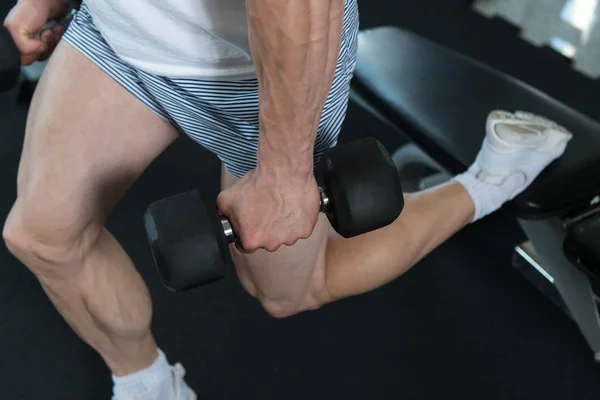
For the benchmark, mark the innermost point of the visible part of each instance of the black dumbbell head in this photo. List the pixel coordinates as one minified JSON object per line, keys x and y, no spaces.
{"x":363,"y":187}
{"x":187,"y":241}
{"x":10,"y":61}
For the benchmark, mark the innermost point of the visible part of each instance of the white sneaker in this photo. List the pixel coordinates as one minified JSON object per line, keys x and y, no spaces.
{"x":516,"y":149}
{"x":518,"y":143}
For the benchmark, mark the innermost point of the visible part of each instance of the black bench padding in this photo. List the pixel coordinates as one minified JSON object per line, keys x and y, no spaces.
{"x":441,"y":99}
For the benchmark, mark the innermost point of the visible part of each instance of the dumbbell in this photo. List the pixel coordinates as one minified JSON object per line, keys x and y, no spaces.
{"x":360,"y":192}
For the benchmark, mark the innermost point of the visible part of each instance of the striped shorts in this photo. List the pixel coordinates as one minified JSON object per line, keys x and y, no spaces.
{"x":222,"y":116}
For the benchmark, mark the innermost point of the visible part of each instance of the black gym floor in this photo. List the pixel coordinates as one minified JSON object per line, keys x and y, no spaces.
{"x":462,"y":324}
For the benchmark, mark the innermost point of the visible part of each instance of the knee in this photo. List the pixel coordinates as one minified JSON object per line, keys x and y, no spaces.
{"x":15,"y":236}
{"x":280,"y":309}
{"x":41,"y":246}
{"x":284,"y":308}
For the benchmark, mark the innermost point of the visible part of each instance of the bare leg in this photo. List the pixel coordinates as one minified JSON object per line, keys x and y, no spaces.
{"x":367,"y":262}
{"x":87,"y":140}
{"x":327,"y":267}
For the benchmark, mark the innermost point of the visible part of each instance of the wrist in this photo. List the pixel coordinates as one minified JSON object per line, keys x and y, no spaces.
{"x":285,"y":162}
{"x":282,"y":169}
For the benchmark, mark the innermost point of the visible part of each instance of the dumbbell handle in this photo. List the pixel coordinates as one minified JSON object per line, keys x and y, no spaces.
{"x":230,"y":233}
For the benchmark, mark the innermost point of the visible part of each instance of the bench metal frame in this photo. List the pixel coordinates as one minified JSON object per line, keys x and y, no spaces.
{"x":573,"y":285}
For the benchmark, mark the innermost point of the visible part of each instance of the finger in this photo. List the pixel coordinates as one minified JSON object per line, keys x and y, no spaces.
{"x":51,"y":38}
{"x":26,"y":44}
{"x":27,"y":59}
{"x":48,"y":38}
{"x":310,"y":231}
{"x":272,"y":243}
{"x":290,"y":242}
{"x":223,"y":202}
{"x":58,"y":32}
{"x":240,"y":247}
{"x":272,"y":247}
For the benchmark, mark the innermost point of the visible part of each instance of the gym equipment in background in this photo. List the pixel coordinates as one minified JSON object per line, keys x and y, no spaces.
{"x":440,"y":99}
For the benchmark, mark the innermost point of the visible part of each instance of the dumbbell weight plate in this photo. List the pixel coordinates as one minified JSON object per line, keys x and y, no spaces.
{"x":10,"y":61}
{"x":363,"y":187}
{"x":187,"y":241}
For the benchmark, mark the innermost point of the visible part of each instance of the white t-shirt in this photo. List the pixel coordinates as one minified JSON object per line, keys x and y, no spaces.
{"x":201,"y":39}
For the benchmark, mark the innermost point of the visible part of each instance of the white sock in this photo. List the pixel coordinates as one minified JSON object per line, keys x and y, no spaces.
{"x":488,"y":197}
{"x":147,"y":384}
{"x":516,"y":149}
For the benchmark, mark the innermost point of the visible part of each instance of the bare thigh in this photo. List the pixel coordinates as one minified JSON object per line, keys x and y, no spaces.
{"x":87,"y":140}
{"x":290,"y":279}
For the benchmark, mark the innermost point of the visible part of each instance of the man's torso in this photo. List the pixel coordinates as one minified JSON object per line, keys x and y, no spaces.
{"x":202,"y":39}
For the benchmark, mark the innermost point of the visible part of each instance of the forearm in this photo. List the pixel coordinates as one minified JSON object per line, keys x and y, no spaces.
{"x":295,"y":45}
{"x":364,"y":263}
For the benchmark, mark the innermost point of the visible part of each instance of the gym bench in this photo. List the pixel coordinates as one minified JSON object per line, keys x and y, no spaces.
{"x":440,"y":100}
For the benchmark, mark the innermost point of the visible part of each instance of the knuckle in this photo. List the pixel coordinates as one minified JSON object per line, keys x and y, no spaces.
{"x":223,"y":201}
{"x":250,"y":242}
{"x":277,"y":309}
{"x":307,"y":232}
{"x":12,"y":234}
{"x":9,"y":26}
{"x":10,"y":22}
{"x":290,"y":242}
{"x":272,"y":245}
{"x":292,"y":239}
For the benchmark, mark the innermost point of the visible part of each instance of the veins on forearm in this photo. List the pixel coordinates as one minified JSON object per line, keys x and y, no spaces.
{"x":295,"y":45}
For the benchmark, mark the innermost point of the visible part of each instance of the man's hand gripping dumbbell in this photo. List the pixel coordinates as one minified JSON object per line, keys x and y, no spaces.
{"x":359,"y":192}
